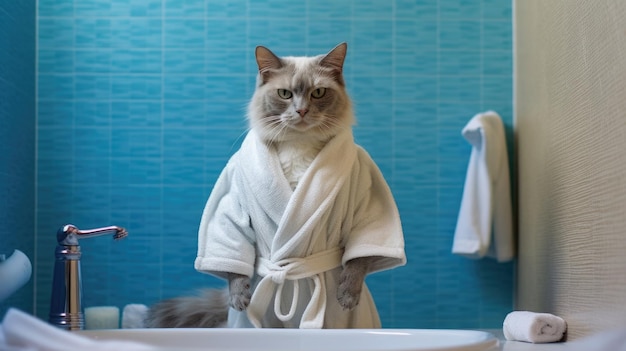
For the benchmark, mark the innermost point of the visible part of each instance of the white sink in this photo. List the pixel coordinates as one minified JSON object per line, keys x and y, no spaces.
{"x":305,"y":340}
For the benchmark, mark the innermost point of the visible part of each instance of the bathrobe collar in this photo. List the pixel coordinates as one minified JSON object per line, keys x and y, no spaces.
{"x":294,"y":211}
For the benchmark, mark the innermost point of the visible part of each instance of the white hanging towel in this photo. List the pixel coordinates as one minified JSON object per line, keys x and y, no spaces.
{"x":294,"y":242}
{"x":485,"y":223}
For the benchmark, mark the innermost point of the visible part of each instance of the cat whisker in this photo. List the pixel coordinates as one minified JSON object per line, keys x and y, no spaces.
{"x":243,"y":134}
{"x":275,"y":128}
{"x":329,"y":124}
{"x":280,"y":134}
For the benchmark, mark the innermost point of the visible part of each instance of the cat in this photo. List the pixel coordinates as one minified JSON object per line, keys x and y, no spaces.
{"x":299,"y":104}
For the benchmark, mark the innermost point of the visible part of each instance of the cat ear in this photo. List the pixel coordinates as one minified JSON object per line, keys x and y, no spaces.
{"x":334,"y":60}
{"x":267,"y":61}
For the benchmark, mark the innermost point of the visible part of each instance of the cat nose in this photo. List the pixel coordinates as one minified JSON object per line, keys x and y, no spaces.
{"x":302,"y":111}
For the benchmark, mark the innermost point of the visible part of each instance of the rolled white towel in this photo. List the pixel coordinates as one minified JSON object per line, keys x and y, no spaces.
{"x":533,"y":327}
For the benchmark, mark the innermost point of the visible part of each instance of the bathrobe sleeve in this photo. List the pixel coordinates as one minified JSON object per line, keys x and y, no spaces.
{"x":225,"y":237}
{"x":376,"y":228}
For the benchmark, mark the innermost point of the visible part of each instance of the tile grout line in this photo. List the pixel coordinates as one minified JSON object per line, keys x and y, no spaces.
{"x":36,"y":170}
{"x":162,"y":146}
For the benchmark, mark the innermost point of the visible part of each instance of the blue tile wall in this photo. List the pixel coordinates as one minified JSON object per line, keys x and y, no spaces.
{"x":142,"y":102}
{"x":17,"y":138}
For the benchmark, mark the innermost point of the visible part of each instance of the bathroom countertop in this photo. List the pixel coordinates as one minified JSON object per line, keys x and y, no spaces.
{"x":506,"y":345}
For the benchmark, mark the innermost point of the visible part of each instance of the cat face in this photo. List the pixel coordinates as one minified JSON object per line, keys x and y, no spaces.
{"x":300,"y":97}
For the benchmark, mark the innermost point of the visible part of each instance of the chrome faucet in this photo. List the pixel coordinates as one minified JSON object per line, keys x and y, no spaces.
{"x":65,"y":304}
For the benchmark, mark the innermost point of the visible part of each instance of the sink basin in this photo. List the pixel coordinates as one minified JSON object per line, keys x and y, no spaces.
{"x":305,"y":340}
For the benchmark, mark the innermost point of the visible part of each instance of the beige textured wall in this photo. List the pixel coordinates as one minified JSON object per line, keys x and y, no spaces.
{"x":571,"y":132}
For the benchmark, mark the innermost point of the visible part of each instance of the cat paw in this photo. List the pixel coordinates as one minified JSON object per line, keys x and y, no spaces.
{"x":349,"y":292}
{"x":347,"y":301}
{"x":240,"y":292}
{"x":239,"y":302}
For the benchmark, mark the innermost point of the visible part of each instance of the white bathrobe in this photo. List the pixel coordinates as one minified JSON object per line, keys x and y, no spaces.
{"x":294,"y":242}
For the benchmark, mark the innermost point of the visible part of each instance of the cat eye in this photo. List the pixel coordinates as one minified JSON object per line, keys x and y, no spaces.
{"x":284,"y":93}
{"x":318,"y":93}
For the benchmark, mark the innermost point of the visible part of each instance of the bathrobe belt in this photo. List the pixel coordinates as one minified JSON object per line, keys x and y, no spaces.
{"x":273,"y":279}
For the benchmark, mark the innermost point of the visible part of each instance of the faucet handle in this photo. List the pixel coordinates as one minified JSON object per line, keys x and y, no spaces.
{"x":69,"y":234}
